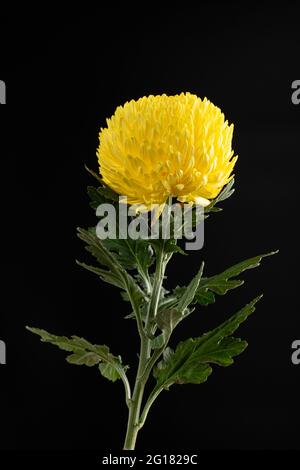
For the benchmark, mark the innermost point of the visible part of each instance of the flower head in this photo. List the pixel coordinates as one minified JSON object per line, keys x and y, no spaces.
{"x":161,"y":146}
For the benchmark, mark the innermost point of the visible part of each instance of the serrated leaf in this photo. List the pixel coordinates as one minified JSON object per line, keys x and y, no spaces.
{"x":226,"y":192}
{"x":204,"y":297}
{"x":143,"y":313}
{"x":88,"y":359}
{"x":109,"y":372}
{"x":221,"y":283}
{"x":108,"y":193}
{"x":169,"y":246}
{"x":224,"y":351}
{"x":85,"y":353}
{"x":182,"y":222}
{"x":115,"y":273}
{"x":188,"y":295}
{"x":131,"y":254}
{"x":168,"y":319}
{"x":221,"y":286}
{"x":95,"y":246}
{"x":191,"y":360}
{"x":95,"y":196}
{"x":183,"y":296}
{"x":181,"y":367}
{"x":106,"y":276}
{"x":104,"y":190}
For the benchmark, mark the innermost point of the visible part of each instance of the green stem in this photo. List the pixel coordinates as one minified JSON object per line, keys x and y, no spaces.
{"x":126,"y":385}
{"x":153,"y":359}
{"x":133,"y":425}
{"x":157,"y":285}
{"x":136,"y":402}
{"x":137,"y":314}
{"x":149,"y":403}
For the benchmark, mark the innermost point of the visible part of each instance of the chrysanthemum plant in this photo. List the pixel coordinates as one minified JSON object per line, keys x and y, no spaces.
{"x":153,"y":149}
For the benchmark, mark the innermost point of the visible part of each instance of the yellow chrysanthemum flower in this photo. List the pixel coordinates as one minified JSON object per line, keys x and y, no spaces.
{"x":161,"y":146}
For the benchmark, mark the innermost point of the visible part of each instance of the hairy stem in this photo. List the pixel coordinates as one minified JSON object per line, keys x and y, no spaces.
{"x":126,"y":384}
{"x":136,"y":401}
{"x":149,"y":403}
{"x":156,"y":290}
{"x":143,"y":372}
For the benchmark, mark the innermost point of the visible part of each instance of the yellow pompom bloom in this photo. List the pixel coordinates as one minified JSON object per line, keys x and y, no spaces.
{"x":160,"y":146}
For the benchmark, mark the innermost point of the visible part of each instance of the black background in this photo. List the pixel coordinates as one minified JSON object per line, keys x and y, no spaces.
{"x":65,"y":73}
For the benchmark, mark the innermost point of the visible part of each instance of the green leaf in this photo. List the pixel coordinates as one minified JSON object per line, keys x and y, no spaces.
{"x":204,"y":297}
{"x":226,"y":192}
{"x":215,"y":209}
{"x":131,"y":254}
{"x":224,"y":351}
{"x":103,"y":190}
{"x":115,"y":273}
{"x":106,"y":276}
{"x":158,"y":341}
{"x":190,"y":363}
{"x":108,"y":193}
{"x":221,"y":286}
{"x":95,"y":246}
{"x":181,"y":367}
{"x":174,"y":308}
{"x":94,"y":174}
{"x":168,"y":245}
{"x":167,"y":319}
{"x":85,"y":353}
{"x":83,"y":358}
{"x":193,"y":216}
{"x":189,"y":292}
{"x":96,"y":197}
{"x":221,"y":283}
{"x":171,"y":246}
{"x":108,"y":371}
